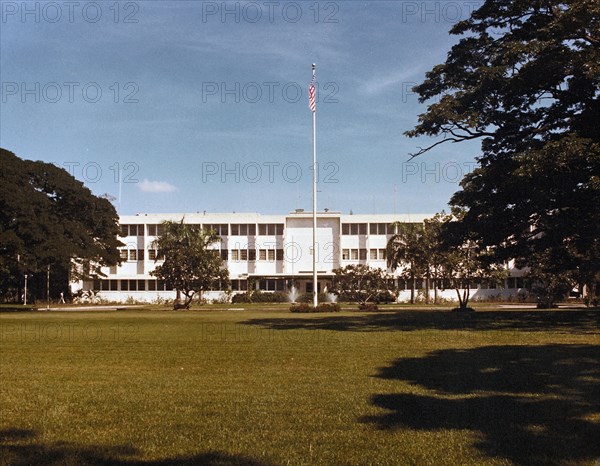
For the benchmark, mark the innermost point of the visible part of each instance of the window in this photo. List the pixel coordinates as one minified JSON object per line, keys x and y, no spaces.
{"x":244,"y":254}
{"x":124,"y":230}
{"x":520,"y":282}
{"x":271,"y":285}
{"x":152,"y":230}
{"x":133,"y":285}
{"x":251,"y":254}
{"x":270,"y":229}
{"x":380,"y":229}
{"x":160,"y":285}
{"x":104,"y":285}
{"x":354,"y":254}
{"x":362,"y":254}
{"x":141,"y":284}
{"x":235,"y":255}
{"x":132,"y":254}
{"x":345,"y":254}
{"x":373,"y":254}
{"x":345,"y":228}
{"x":224,"y":254}
{"x":382,"y":254}
{"x":262,"y":254}
{"x":160,"y":229}
{"x":124,"y":285}
{"x":140,"y":253}
{"x":243,"y":229}
{"x":114,"y":285}
{"x":123,"y":254}
{"x":151,"y":285}
{"x":362,"y":228}
{"x":271,"y":255}
{"x":279,"y":254}
{"x":152,"y":254}
{"x":239,"y":285}
{"x":220,"y":229}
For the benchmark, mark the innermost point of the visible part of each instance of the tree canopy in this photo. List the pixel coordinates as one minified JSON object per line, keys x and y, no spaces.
{"x":48,"y":218}
{"x":525,"y":80}
{"x":189,"y":265}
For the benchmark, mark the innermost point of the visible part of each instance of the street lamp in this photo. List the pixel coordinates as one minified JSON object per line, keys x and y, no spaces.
{"x":25,"y":294}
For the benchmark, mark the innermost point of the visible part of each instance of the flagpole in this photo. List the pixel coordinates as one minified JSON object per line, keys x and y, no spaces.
{"x":314,"y":199}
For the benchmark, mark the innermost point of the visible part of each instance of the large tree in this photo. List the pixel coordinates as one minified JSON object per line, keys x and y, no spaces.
{"x":189,"y":265}
{"x":49,"y":219}
{"x":525,"y":80}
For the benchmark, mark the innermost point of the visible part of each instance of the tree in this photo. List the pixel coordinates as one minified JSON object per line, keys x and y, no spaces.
{"x":406,"y":249}
{"x":463,"y":259}
{"x":525,"y":80}
{"x":48,"y":218}
{"x":361,"y":283}
{"x":189,"y":265}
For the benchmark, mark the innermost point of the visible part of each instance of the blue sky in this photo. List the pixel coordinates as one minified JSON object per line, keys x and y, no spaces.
{"x":202,"y":105}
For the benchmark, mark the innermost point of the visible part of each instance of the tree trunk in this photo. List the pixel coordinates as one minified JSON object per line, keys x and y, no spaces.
{"x":412,"y":290}
{"x":427,"y":288}
{"x":435,"y":291}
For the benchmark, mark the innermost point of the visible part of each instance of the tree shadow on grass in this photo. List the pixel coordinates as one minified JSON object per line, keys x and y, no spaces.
{"x":22,"y":447}
{"x":530,"y":404}
{"x":571,"y":321}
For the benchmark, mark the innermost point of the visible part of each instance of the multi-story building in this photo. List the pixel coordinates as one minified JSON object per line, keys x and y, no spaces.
{"x":268,"y":252}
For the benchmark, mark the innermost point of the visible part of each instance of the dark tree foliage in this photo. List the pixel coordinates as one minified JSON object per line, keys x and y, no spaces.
{"x":525,"y":80}
{"x":48,"y":218}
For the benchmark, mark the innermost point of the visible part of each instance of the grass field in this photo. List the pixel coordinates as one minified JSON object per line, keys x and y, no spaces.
{"x":269,"y":387}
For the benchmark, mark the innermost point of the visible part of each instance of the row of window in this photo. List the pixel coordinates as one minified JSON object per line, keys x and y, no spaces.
{"x":270,"y":255}
{"x":160,"y":285}
{"x":237,"y":229}
{"x":252,"y":254}
{"x":361,"y":254}
{"x":373,"y":228}
{"x":264,"y":229}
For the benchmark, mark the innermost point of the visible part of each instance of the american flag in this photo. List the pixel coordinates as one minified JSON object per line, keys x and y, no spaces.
{"x":312,"y":95}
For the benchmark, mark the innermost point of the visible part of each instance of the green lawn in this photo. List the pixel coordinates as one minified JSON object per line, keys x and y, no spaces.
{"x":269,"y":387}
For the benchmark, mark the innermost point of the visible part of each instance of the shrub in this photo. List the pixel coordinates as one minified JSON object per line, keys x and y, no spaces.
{"x":323,"y":307}
{"x":367,"y":307}
{"x":301,"y":307}
{"x":241,"y":298}
{"x":328,"y":307}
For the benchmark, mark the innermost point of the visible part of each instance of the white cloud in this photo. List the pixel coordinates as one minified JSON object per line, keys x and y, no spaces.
{"x":381,"y":83}
{"x":148,"y":186}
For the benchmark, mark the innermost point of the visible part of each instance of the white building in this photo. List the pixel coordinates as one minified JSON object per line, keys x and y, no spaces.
{"x":272,"y":252}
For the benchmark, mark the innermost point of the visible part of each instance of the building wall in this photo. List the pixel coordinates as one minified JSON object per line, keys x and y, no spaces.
{"x":273,"y":250}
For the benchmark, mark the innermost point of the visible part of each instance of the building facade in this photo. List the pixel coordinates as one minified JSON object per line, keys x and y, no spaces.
{"x":266,"y":252}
